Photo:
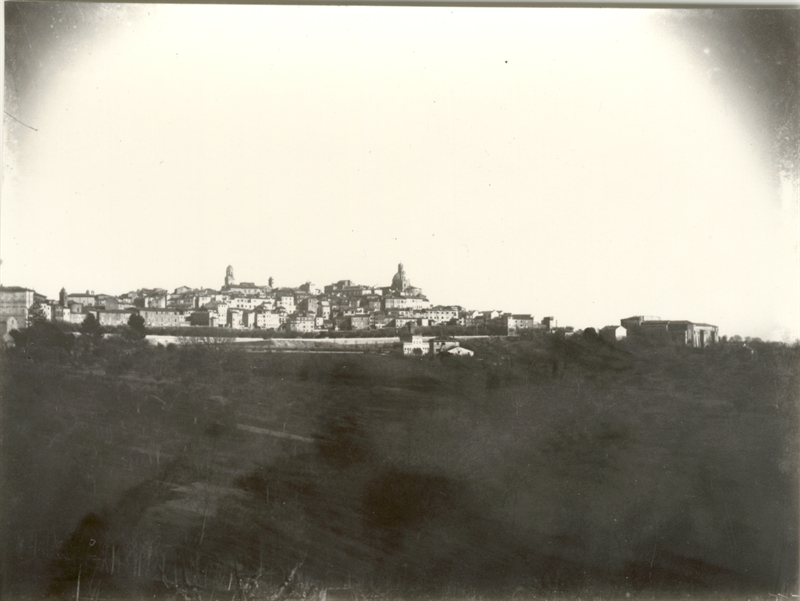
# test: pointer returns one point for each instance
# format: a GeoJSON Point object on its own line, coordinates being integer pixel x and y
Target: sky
{"type": "Point", "coordinates": [589, 164]}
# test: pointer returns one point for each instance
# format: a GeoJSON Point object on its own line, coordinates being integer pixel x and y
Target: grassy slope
{"type": "Point", "coordinates": [543, 465]}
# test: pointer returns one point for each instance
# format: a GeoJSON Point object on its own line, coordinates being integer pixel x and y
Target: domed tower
{"type": "Point", "coordinates": [400, 281]}
{"type": "Point", "coordinates": [62, 297]}
{"type": "Point", "coordinates": [229, 279]}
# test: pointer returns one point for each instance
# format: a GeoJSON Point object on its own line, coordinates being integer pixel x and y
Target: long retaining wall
{"type": "Point", "coordinates": [291, 343]}
{"type": "Point", "coordinates": [280, 343]}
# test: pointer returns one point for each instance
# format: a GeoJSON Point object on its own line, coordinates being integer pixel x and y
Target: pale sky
{"type": "Point", "coordinates": [589, 164]}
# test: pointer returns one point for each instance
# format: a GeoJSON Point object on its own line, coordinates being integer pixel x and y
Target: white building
{"type": "Point", "coordinates": [268, 320]}
{"type": "Point", "coordinates": [302, 323]}
{"type": "Point", "coordinates": [415, 346]}
{"type": "Point", "coordinates": [287, 301]}
{"type": "Point", "coordinates": [245, 302]}
{"type": "Point", "coordinates": [236, 318]}
{"type": "Point", "coordinates": [440, 314]}
{"type": "Point", "coordinates": [403, 302]}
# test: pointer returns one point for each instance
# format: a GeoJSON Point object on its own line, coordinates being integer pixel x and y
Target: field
{"type": "Point", "coordinates": [539, 468]}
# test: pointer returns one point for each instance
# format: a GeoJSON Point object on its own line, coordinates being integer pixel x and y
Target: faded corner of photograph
{"type": "Point", "coordinates": [566, 367]}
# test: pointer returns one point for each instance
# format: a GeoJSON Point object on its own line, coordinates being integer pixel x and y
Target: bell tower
{"type": "Point", "coordinates": [229, 279]}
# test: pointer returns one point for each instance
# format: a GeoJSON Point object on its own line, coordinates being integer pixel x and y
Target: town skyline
{"type": "Point", "coordinates": [269, 287]}
{"type": "Point", "coordinates": [586, 164]}
{"type": "Point", "coordinates": [400, 308]}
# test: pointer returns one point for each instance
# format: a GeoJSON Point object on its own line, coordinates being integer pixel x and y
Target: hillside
{"type": "Point", "coordinates": [538, 466]}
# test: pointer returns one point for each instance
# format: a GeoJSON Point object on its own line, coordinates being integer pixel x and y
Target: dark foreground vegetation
{"type": "Point", "coordinates": [539, 467]}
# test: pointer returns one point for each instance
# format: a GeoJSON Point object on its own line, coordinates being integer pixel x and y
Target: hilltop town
{"type": "Point", "coordinates": [360, 456]}
{"type": "Point", "coordinates": [340, 306]}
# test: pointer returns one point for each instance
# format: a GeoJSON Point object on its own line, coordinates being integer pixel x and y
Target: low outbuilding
{"type": "Point", "coordinates": [460, 351]}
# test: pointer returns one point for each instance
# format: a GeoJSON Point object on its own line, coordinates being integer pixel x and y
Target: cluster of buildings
{"type": "Point", "coordinates": [416, 344]}
{"type": "Point", "coordinates": [342, 305]}
{"type": "Point", "coordinates": [696, 335]}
